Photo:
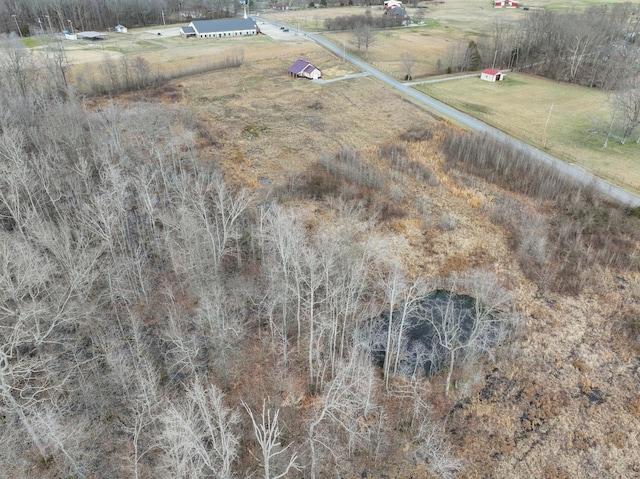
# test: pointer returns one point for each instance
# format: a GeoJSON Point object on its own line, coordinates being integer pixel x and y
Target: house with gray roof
{"type": "Point", "coordinates": [220, 28]}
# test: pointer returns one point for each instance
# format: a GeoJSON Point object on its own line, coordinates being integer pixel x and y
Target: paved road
{"type": "Point", "coordinates": [473, 124]}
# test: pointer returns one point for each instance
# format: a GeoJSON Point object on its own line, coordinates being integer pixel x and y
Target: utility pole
{"type": "Point", "coordinates": [544, 133]}
{"type": "Point", "coordinates": [17, 25]}
{"type": "Point", "coordinates": [49, 20]}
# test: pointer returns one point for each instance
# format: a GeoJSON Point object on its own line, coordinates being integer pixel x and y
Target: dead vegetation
{"type": "Point", "coordinates": [166, 322]}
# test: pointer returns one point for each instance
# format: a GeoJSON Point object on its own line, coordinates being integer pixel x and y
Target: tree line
{"type": "Point", "coordinates": [46, 16]}
{"type": "Point", "coordinates": [597, 48]}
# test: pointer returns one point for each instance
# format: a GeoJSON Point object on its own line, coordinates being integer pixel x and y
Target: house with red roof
{"type": "Point", "coordinates": [491, 75]}
{"type": "Point", "coordinates": [304, 69]}
{"type": "Point", "coordinates": [506, 3]}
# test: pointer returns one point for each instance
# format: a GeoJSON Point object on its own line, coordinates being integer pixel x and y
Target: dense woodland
{"type": "Point", "coordinates": [54, 16]}
{"type": "Point", "coordinates": [158, 321]}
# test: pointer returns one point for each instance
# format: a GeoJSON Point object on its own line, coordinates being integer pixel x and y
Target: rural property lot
{"type": "Point", "coordinates": [342, 177]}
{"type": "Point", "coordinates": [560, 119]}
{"type": "Point", "coordinates": [518, 107]}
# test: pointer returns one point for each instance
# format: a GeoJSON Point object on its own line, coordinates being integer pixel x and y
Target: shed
{"type": "Point", "coordinates": [221, 28]}
{"type": "Point", "coordinates": [492, 75]}
{"type": "Point", "coordinates": [121, 29]}
{"type": "Point", "coordinates": [304, 69]}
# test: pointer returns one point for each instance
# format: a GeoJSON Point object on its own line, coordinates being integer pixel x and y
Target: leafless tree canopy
{"type": "Point", "coordinates": [54, 16]}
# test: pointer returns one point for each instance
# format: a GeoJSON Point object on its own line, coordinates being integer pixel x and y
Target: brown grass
{"type": "Point", "coordinates": [562, 393]}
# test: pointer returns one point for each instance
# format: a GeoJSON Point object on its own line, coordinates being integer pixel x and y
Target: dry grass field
{"type": "Point", "coordinates": [565, 120]}
{"type": "Point", "coordinates": [561, 400]}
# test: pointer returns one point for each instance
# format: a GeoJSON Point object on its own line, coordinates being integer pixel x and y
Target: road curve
{"type": "Point", "coordinates": [474, 124]}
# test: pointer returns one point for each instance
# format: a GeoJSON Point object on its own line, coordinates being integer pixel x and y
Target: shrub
{"type": "Point", "coordinates": [397, 156]}
{"type": "Point", "coordinates": [417, 133]}
{"type": "Point", "coordinates": [582, 229]}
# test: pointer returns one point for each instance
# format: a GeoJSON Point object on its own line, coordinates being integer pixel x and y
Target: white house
{"type": "Point", "coordinates": [221, 28]}
{"type": "Point", "coordinates": [121, 29]}
{"type": "Point", "coordinates": [492, 75]}
{"type": "Point", "coordinates": [304, 69]}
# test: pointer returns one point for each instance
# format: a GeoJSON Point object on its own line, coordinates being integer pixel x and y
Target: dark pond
{"type": "Point", "coordinates": [420, 349]}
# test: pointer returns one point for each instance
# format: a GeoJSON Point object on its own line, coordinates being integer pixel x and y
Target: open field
{"type": "Point", "coordinates": [558, 118]}
{"type": "Point", "coordinates": [519, 106]}
{"type": "Point", "coordinates": [275, 128]}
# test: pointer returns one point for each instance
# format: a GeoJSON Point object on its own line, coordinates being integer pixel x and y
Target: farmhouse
{"type": "Point", "coordinates": [400, 14]}
{"type": "Point", "coordinates": [224, 27]}
{"type": "Point", "coordinates": [506, 3]}
{"type": "Point", "coordinates": [491, 75]}
{"type": "Point", "coordinates": [304, 69]}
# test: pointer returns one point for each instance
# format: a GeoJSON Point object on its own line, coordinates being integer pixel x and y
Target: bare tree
{"type": "Point", "coordinates": [17, 67]}
{"type": "Point", "coordinates": [346, 403]}
{"type": "Point", "coordinates": [364, 35]}
{"type": "Point", "coordinates": [268, 434]}
{"type": "Point", "coordinates": [403, 300]}
{"type": "Point", "coordinates": [429, 438]}
{"type": "Point", "coordinates": [408, 62]}
{"type": "Point", "coordinates": [626, 107]}
{"type": "Point", "coordinates": [198, 438]}
{"type": "Point", "coordinates": [463, 329]}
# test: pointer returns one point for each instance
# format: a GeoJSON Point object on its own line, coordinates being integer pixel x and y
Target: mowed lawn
{"type": "Point", "coordinates": [567, 121]}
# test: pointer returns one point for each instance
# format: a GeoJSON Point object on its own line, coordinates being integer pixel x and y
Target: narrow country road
{"type": "Point", "coordinates": [471, 123]}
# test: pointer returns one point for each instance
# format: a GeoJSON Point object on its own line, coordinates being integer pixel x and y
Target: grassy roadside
{"type": "Point", "coordinates": [567, 121]}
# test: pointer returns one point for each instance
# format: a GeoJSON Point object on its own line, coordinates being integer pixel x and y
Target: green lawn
{"type": "Point", "coordinates": [567, 121]}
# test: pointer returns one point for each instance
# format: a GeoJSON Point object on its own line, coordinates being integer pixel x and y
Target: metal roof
{"type": "Point", "coordinates": [299, 66]}
{"type": "Point", "coordinates": [91, 35]}
{"type": "Point", "coordinates": [223, 25]}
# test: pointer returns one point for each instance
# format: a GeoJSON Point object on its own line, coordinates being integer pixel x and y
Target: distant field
{"type": "Point", "coordinates": [558, 118]}
{"type": "Point", "coordinates": [519, 106]}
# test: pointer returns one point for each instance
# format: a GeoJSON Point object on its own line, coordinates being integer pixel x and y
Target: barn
{"type": "Point", "coordinates": [221, 28]}
{"type": "Point", "coordinates": [304, 69]}
{"type": "Point", "coordinates": [492, 75]}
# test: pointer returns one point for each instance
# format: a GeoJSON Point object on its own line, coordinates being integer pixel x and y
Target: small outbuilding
{"type": "Point", "coordinates": [492, 75]}
{"type": "Point", "coordinates": [304, 69]}
{"type": "Point", "coordinates": [121, 29]}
